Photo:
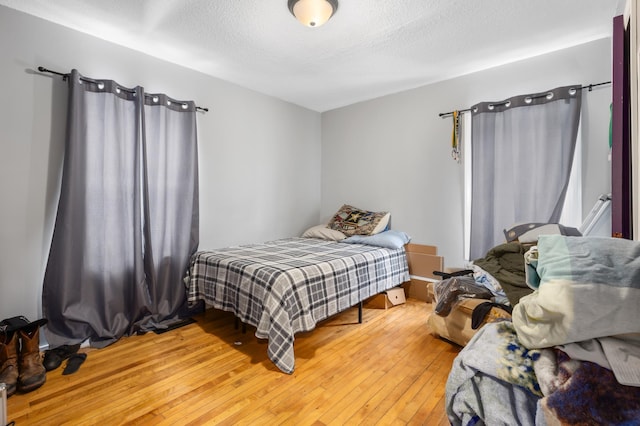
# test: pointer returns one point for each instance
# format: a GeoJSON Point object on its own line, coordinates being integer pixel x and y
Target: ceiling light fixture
{"type": "Point", "coordinates": [313, 13]}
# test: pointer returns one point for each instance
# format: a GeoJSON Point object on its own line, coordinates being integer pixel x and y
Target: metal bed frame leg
{"type": "Point", "coordinates": [236, 325]}
{"type": "Point", "coordinates": [360, 312]}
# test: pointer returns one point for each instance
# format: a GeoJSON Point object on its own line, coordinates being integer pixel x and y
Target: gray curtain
{"type": "Point", "coordinates": [522, 151]}
{"type": "Point", "coordinates": [127, 217]}
{"type": "Point", "coordinates": [171, 208]}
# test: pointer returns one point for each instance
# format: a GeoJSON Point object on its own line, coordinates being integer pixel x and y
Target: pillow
{"type": "Point", "coordinates": [353, 221]}
{"type": "Point", "coordinates": [323, 233]}
{"type": "Point", "coordinates": [386, 239]}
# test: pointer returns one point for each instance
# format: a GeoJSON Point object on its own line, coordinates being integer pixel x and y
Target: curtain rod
{"type": "Point", "coordinates": [64, 77]}
{"type": "Point", "coordinates": [590, 87]}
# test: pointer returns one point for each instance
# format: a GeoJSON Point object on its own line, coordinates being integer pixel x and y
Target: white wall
{"type": "Point", "coordinates": [394, 153]}
{"type": "Point", "coordinates": [259, 157]}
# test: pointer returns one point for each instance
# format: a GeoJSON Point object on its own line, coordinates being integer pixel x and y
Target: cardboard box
{"type": "Point", "coordinates": [417, 289]}
{"type": "Point", "coordinates": [388, 299]}
{"type": "Point", "coordinates": [423, 260]}
{"type": "Point", "coordinates": [421, 248]}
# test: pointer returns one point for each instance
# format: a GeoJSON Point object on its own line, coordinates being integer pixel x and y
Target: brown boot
{"type": "Point", "coordinates": [9, 360]}
{"type": "Point", "coordinates": [32, 372]}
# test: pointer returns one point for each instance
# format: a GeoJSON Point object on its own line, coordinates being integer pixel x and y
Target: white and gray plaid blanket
{"type": "Point", "coordinates": [287, 286]}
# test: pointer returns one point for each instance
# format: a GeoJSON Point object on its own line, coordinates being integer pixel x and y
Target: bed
{"type": "Point", "coordinates": [287, 286]}
{"type": "Point", "coordinates": [571, 353]}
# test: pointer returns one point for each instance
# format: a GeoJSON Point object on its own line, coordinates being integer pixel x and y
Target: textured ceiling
{"type": "Point", "coordinates": [369, 48]}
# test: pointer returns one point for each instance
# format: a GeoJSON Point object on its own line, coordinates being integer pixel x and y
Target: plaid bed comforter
{"type": "Point", "coordinates": [287, 286]}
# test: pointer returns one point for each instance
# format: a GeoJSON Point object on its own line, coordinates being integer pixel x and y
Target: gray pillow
{"type": "Point", "coordinates": [388, 239]}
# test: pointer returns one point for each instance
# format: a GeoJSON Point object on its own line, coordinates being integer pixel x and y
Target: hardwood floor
{"type": "Point", "coordinates": [387, 370]}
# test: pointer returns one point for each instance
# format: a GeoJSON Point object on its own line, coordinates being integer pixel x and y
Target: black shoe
{"type": "Point", "coordinates": [53, 358]}
{"type": "Point", "coordinates": [74, 363]}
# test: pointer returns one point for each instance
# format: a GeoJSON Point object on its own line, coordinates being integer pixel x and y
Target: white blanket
{"type": "Point", "coordinates": [589, 288]}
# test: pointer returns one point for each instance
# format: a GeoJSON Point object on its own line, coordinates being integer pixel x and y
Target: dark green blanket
{"type": "Point", "coordinates": [505, 263]}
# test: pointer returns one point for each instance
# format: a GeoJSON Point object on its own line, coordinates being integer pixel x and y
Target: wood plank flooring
{"type": "Point", "coordinates": [387, 370]}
